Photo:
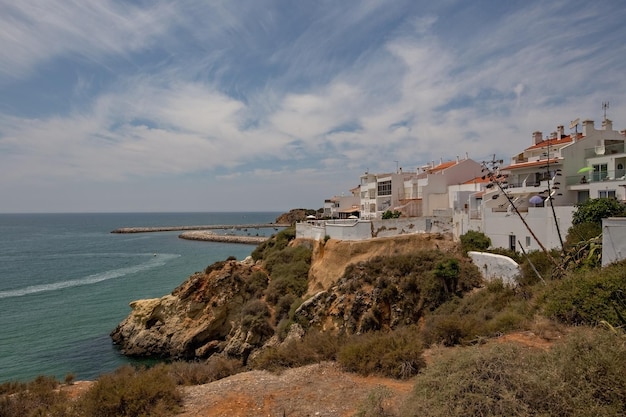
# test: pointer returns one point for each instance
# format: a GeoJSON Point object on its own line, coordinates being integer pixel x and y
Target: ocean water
{"type": "Point", "coordinates": [66, 282]}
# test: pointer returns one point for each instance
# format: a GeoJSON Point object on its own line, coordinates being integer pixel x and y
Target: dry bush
{"type": "Point", "coordinates": [396, 354]}
{"type": "Point", "coordinates": [129, 392]}
{"type": "Point", "coordinates": [314, 347]}
{"type": "Point", "coordinates": [582, 376]}
{"type": "Point", "coordinates": [374, 405]}
{"type": "Point", "coordinates": [40, 397]}
{"type": "Point", "coordinates": [198, 373]}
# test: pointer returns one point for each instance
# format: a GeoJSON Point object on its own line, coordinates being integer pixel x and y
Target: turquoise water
{"type": "Point", "coordinates": [66, 282]}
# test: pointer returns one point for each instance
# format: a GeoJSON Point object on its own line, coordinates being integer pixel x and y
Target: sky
{"type": "Point", "coordinates": [268, 105]}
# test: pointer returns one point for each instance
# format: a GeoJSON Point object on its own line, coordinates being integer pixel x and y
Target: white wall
{"type": "Point", "coordinates": [499, 226]}
{"type": "Point", "coordinates": [493, 266]}
{"type": "Point", "coordinates": [613, 240]}
{"type": "Point", "coordinates": [366, 229]}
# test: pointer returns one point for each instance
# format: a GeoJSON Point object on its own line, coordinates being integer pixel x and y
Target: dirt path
{"type": "Point", "coordinates": [313, 390]}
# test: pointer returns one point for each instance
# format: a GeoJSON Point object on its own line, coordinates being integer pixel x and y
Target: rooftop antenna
{"type": "Point", "coordinates": [605, 105]}
{"type": "Point", "coordinates": [574, 125]}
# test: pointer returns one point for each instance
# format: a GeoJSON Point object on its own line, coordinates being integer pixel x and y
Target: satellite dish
{"type": "Point", "coordinates": [574, 123]}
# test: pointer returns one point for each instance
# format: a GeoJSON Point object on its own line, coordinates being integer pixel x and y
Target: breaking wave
{"type": "Point", "coordinates": [156, 260]}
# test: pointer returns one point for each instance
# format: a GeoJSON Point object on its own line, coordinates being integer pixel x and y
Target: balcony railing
{"type": "Point", "coordinates": [597, 176]}
{"type": "Point", "coordinates": [604, 150]}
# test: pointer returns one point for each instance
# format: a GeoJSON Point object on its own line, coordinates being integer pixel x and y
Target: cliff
{"type": "Point", "coordinates": [227, 308]}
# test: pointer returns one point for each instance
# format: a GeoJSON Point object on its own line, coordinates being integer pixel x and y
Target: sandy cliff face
{"type": "Point", "coordinates": [223, 309]}
{"type": "Point", "coordinates": [330, 259]}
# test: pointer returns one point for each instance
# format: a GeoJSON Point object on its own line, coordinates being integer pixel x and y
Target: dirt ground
{"type": "Point", "coordinates": [314, 390]}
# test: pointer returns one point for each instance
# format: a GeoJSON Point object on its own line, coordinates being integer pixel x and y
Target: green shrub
{"type": "Point", "coordinates": [132, 393]}
{"type": "Point", "coordinates": [257, 283]}
{"type": "Point", "coordinates": [594, 210]}
{"type": "Point", "coordinates": [276, 243]}
{"type": "Point", "coordinates": [283, 306]}
{"type": "Point", "coordinates": [255, 316]}
{"type": "Point", "coordinates": [542, 263]}
{"type": "Point", "coordinates": [492, 310]}
{"type": "Point", "coordinates": [413, 283]}
{"type": "Point", "coordinates": [474, 241]}
{"type": "Point", "coordinates": [582, 232]}
{"type": "Point", "coordinates": [589, 297]}
{"type": "Point", "coordinates": [396, 354]}
{"type": "Point", "coordinates": [391, 214]}
{"type": "Point", "coordinates": [289, 270]}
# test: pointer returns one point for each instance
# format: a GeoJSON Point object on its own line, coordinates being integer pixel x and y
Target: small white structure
{"type": "Point", "coordinates": [613, 240]}
{"type": "Point", "coordinates": [493, 266]}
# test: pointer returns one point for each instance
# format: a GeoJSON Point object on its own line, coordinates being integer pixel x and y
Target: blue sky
{"type": "Point", "coordinates": [198, 105]}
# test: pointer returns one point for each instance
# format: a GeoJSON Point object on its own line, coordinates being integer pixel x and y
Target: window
{"type": "Point", "coordinates": [606, 194]}
{"type": "Point", "coordinates": [512, 242]}
{"type": "Point", "coordinates": [527, 241]}
{"type": "Point", "coordinates": [384, 188]}
{"type": "Point", "coordinates": [600, 172]}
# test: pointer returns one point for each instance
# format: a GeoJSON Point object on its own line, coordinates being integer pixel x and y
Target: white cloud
{"type": "Point", "coordinates": [252, 99]}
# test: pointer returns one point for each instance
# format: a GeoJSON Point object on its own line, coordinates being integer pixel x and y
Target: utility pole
{"type": "Point", "coordinates": [490, 168]}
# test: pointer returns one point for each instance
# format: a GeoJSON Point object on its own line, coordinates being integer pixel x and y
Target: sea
{"type": "Point", "coordinates": [66, 282]}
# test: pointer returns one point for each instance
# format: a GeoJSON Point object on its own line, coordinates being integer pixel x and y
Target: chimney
{"type": "Point", "coordinates": [607, 124]}
{"type": "Point", "coordinates": [457, 159]}
{"type": "Point", "coordinates": [537, 137]}
{"type": "Point", "coordinates": [561, 131]}
{"type": "Point", "coordinates": [441, 160]}
{"type": "Point", "coordinates": [588, 127]}
{"type": "Point", "coordinates": [553, 135]}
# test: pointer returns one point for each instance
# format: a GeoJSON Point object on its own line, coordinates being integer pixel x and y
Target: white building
{"type": "Point", "coordinates": [342, 207]}
{"type": "Point", "coordinates": [425, 192]}
{"type": "Point", "coordinates": [547, 179]}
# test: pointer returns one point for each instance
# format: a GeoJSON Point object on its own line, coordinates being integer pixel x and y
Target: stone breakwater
{"type": "Point", "coordinates": [212, 237]}
{"type": "Point", "coordinates": [204, 227]}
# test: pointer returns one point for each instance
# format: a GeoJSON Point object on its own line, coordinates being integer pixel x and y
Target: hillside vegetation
{"type": "Point", "coordinates": [377, 317]}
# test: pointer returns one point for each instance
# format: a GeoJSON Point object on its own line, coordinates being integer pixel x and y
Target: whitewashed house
{"type": "Point", "coordinates": [547, 179]}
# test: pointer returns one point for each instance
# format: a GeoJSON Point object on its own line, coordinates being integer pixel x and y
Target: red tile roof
{"type": "Point", "coordinates": [477, 180]}
{"type": "Point", "coordinates": [441, 167]}
{"type": "Point", "coordinates": [554, 161]}
{"type": "Point", "coordinates": [554, 142]}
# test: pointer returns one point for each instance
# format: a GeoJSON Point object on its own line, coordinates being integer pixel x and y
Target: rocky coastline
{"type": "Point", "coordinates": [222, 310]}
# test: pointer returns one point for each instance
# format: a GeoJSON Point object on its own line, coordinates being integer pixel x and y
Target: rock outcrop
{"type": "Point", "coordinates": [293, 216]}
{"type": "Point", "coordinates": [352, 287]}
{"type": "Point", "coordinates": [199, 318]}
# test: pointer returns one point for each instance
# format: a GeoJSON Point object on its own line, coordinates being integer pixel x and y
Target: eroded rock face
{"type": "Point", "coordinates": [353, 288]}
{"type": "Point", "coordinates": [196, 319]}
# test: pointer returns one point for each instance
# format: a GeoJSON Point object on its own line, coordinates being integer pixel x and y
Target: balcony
{"type": "Point", "coordinates": [597, 176]}
{"type": "Point", "coordinates": [604, 150]}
